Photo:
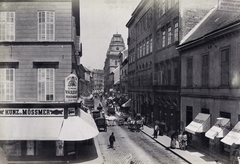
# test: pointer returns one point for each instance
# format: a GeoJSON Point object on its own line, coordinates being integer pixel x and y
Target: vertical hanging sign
{"type": "Point", "coordinates": [71, 88]}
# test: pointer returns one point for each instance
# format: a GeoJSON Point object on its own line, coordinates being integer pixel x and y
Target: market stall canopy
{"type": "Point", "coordinates": [30, 128]}
{"type": "Point", "coordinates": [78, 128]}
{"type": "Point", "coordinates": [219, 130]}
{"type": "Point", "coordinates": [127, 104]}
{"type": "Point", "coordinates": [233, 136]}
{"type": "Point", "coordinates": [200, 124]}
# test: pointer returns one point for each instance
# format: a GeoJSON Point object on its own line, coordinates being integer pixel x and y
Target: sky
{"type": "Point", "coordinates": [99, 20]}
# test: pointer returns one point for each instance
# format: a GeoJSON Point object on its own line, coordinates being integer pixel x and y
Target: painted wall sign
{"type": "Point", "coordinates": [71, 88]}
{"type": "Point", "coordinates": [31, 112]}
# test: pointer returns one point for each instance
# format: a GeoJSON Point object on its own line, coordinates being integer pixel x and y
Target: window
{"type": "Point", "coordinates": [144, 49]}
{"type": "Point", "coordinates": [169, 35]}
{"type": "Point", "coordinates": [140, 49]}
{"type": "Point", "coordinates": [163, 38]}
{"type": "Point", "coordinates": [225, 67]}
{"type": "Point", "coordinates": [46, 26]}
{"type": "Point", "coordinates": [46, 79]}
{"type": "Point", "coordinates": [169, 4]}
{"type": "Point", "coordinates": [150, 44]}
{"type": "Point", "coordinates": [7, 86]}
{"type": "Point", "coordinates": [163, 7]}
{"type": "Point", "coordinates": [176, 31]}
{"type": "Point", "coordinates": [147, 48]}
{"type": "Point", "coordinates": [7, 26]}
{"type": "Point", "coordinates": [205, 70]}
{"type": "Point", "coordinates": [169, 77]}
{"type": "Point", "coordinates": [189, 72]}
{"type": "Point", "coordinates": [116, 62]}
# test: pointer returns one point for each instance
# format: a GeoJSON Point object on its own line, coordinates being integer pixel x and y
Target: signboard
{"type": "Point", "coordinates": [31, 112]}
{"type": "Point", "coordinates": [71, 88]}
{"type": "Point", "coordinates": [59, 148]}
{"type": "Point", "coordinates": [226, 5]}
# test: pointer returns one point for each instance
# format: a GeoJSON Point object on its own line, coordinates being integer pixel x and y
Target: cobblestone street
{"type": "Point", "coordinates": [133, 147]}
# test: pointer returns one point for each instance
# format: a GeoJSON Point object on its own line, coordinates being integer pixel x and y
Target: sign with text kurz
{"type": "Point", "coordinates": [31, 112]}
{"type": "Point", "coordinates": [71, 88]}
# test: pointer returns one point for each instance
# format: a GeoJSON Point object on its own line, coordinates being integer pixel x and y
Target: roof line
{"type": "Point", "coordinates": [196, 27]}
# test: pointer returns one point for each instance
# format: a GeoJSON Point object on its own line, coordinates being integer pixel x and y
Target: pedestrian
{"type": "Point", "coordinates": [184, 140]}
{"type": "Point", "coordinates": [112, 140]}
{"type": "Point", "coordinates": [236, 155]}
{"type": "Point", "coordinates": [180, 136]}
{"type": "Point", "coordinates": [173, 140]}
{"type": "Point", "coordinates": [155, 132]}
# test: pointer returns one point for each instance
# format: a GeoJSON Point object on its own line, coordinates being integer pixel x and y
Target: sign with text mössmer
{"type": "Point", "coordinates": [71, 88]}
{"type": "Point", "coordinates": [31, 112]}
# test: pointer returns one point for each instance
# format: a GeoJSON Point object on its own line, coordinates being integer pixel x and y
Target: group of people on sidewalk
{"type": "Point", "coordinates": [180, 138]}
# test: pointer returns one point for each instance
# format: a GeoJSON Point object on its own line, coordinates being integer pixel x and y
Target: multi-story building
{"type": "Point", "coordinates": [112, 61]}
{"type": "Point", "coordinates": [39, 45]}
{"type": "Point", "coordinates": [98, 80]}
{"type": "Point", "coordinates": [140, 57]}
{"type": "Point", "coordinates": [155, 29]}
{"type": "Point", "coordinates": [210, 82]}
{"type": "Point", "coordinates": [123, 57]}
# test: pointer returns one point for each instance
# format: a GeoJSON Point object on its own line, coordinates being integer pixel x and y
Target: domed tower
{"type": "Point", "coordinates": [112, 59]}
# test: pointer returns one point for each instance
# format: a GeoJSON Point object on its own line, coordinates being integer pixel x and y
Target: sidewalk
{"type": "Point", "coordinates": [191, 155]}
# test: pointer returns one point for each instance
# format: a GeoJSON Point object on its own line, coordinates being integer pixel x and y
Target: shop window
{"type": "Point", "coordinates": [225, 115]}
{"type": "Point", "coordinates": [46, 26]}
{"type": "Point", "coordinates": [7, 26]}
{"type": "Point", "coordinates": [205, 110]}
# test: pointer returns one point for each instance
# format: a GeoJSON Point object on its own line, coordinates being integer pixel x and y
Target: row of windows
{"type": "Point", "coordinates": [46, 84]}
{"type": "Point", "coordinates": [224, 64]}
{"type": "Point", "coordinates": [144, 66]}
{"type": "Point", "coordinates": [167, 35]}
{"type": "Point", "coordinates": [164, 5]}
{"type": "Point", "coordinates": [46, 26]}
{"type": "Point", "coordinates": [131, 57]}
{"type": "Point", "coordinates": [141, 80]}
{"type": "Point", "coordinates": [145, 47]}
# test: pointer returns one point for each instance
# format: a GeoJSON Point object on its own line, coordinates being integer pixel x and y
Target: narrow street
{"type": "Point", "coordinates": [133, 147]}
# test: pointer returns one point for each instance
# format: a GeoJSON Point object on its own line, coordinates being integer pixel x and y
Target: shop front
{"type": "Point", "coordinates": [216, 133]}
{"type": "Point", "coordinates": [198, 127]}
{"type": "Point", "coordinates": [50, 131]}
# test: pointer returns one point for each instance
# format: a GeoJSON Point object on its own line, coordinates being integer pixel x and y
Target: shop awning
{"type": "Point", "coordinates": [233, 136]}
{"type": "Point", "coordinates": [127, 104]}
{"type": "Point", "coordinates": [78, 128]}
{"type": "Point", "coordinates": [200, 124]}
{"type": "Point", "coordinates": [219, 130]}
{"type": "Point", "coordinates": [48, 128]}
{"type": "Point", "coordinates": [30, 128]}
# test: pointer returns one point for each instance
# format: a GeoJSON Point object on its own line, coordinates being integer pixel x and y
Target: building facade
{"type": "Point", "coordinates": [140, 58]}
{"type": "Point", "coordinates": [157, 27]}
{"type": "Point", "coordinates": [209, 82]}
{"type": "Point", "coordinates": [39, 79]}
{"type": "Point", "coordinates": [112, 61]}
{"type": "Point", "coordinates": [123, 57]}
{"type": "Point", "coordinates": [98, 80]}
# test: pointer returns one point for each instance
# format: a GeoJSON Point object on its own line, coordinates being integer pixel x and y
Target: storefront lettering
{"type": "Point", "coordinates": [31, 112]}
